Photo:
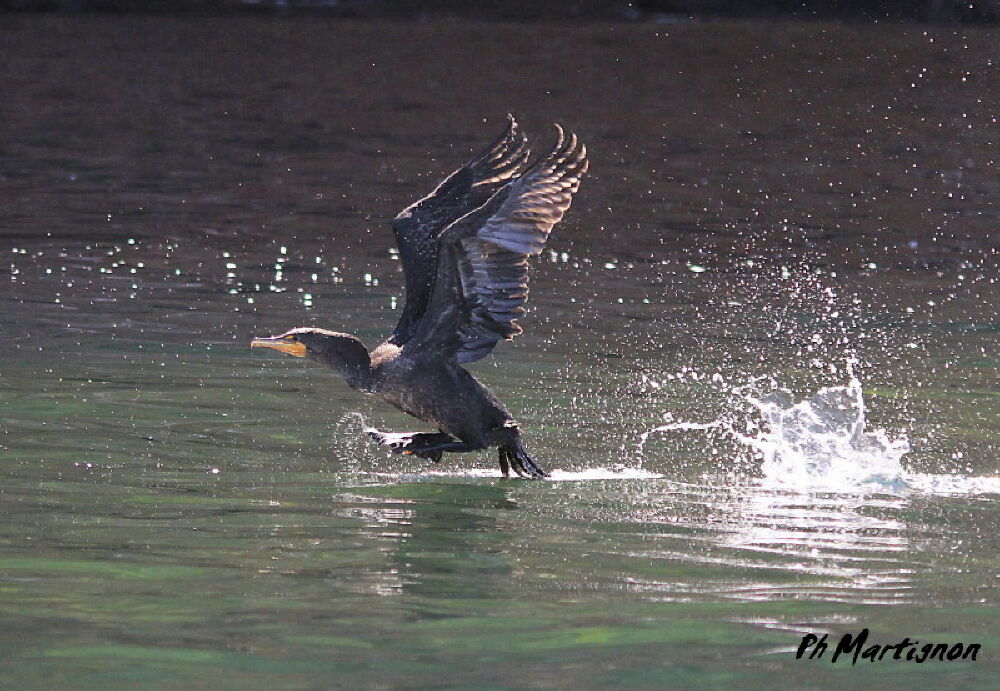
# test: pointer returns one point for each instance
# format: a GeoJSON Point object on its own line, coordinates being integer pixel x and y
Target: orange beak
{"type": "Point", "coordinates": [283, 343]}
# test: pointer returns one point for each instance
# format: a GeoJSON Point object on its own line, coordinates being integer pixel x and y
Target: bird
{"type": "Point", "coordinates": [465, 251]}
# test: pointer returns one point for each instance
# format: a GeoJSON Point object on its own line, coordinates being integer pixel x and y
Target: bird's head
{"type": "Point", "coordinates": [343, 352]}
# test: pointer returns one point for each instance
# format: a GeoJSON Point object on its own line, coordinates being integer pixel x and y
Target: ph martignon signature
{"type": "Point", "coordinates": [906, 650]}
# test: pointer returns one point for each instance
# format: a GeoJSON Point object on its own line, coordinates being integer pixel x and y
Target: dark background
{"type": "Point", "coordinates": [662, 10]}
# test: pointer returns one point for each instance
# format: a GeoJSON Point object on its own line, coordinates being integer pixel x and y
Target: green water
{"type": "Point", "coordinates": [180, 512]}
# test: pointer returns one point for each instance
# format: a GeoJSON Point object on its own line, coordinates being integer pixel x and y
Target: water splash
{"type": "Point", "coordinates": [356, 451]}
{"type": "Point", "coordinates": [822, 444]}
{"type": "Point", "coordinates": [614, 472]}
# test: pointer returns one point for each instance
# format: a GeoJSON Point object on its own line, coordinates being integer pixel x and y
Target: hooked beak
{"type": "Point", "coordinates": [283, 343]}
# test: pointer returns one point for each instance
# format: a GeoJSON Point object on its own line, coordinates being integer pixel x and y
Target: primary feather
{"type": "Point", "coordinates": [418, 226]}
{"type": "Point", "coordinates": [481, 283]}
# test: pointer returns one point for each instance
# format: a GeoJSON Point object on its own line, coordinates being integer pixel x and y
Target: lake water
{"type": "Point", "coordinates": [762, 357]}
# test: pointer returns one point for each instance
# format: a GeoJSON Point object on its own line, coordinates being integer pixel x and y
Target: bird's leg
{"type": "Point", "coordinates": [507, 438]}
{"type": "Point", "coordinates": [451, 447]}
{"type": "Point", "coordinates": [504, 462]}
{"type": "Point", "coordinates": [433, 452]}
{"type": "Point", "coordinates": [522, 463]}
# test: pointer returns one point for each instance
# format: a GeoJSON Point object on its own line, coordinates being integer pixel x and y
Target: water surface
{"type": "Point", "coordinates": [771, 207]}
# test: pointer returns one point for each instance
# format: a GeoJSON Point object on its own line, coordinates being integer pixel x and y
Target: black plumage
{"type": "Point", "coordinates": [464, 250]}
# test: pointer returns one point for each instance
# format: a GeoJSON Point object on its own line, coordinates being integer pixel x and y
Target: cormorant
{"type": "Point", "coordinates": [465, 250]}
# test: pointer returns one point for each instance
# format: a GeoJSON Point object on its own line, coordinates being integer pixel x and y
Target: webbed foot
{"type": "Point", "coordinates": [421, 444]}
{"type": "Point", "coordinates": [523, 464]}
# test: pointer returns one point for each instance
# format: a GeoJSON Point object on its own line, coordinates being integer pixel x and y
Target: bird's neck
{"type": "Point", "coordinates": [351, 359]}
{"type": "Point", "coordinates": [359, 377]}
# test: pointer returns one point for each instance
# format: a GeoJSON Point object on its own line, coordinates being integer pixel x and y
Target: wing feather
{"type": "Point", "coordinates": [482, 281]}
{"type": "Point", "coordinates": [418, 226]}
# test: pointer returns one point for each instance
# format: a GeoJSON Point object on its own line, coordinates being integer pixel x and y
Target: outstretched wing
{"type": "Point", "coordinates": [482, 280]}
{"type": "Point", "coordinates": [418, 226]}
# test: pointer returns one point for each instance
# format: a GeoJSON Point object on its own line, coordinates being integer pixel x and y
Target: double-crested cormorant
{"type": "Point", "coordinates": [464, 250]}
